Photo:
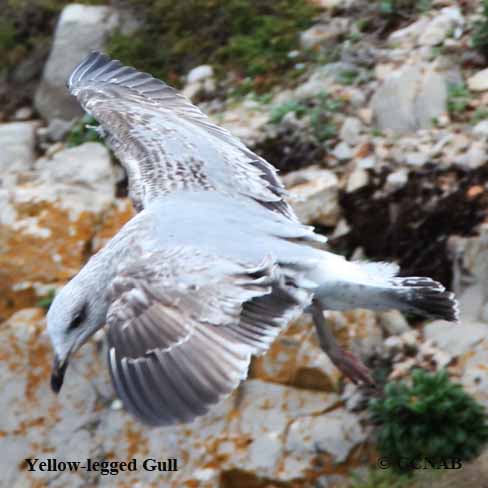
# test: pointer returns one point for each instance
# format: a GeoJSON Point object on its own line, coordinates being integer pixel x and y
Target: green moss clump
{"type": "Point", "coordinates": [480, 32]}
{"type": "Point", "coordinates": [319, 109]}
{"type": "Point", "coordinates": [249, 37]}
{"type": "Point", "coordinates": [85, 130]}
{"type": "Point", "coordinates": [45, 302]}
{"type": "Point", "coordinates": [433, 419]}
{"type": "Point", "coordinates": [458, 99]}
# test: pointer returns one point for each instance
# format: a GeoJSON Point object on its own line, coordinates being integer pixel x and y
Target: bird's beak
{"type": "Point", "coordinates": [57, 375]}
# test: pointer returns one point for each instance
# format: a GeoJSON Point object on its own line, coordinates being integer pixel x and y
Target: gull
{"type": "Point", "coordinates": [214, 264]}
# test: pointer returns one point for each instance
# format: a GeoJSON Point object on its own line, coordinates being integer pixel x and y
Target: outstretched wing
{"type": "Point", "coordinates": [182, 328]}
{"type": "Point", "coordinates": [165, 142]}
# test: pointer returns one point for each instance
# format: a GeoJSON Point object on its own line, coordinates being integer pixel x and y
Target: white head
{"type": "Point", "coordinates": [76, 313]}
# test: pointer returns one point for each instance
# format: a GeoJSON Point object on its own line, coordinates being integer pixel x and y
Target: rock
{"type": "Point", "coordinates": [475, 157]}
{"type": "Point", "coordinates": [321, 34]}
{"type": "Point", "coordinates": [342, 151]}
{"type": "Point", "coordinates": [441, 26]}
{"type": "Point", "coordinates": [249, 431]}
{"type": "Point", "coordinates": [335, 433]}
{"type": "Point", "coordinates": [333, 4]}
{"type": "Point", "coordinates": [479, 81]}
{"type": "Point", "coordinates": [410, 98]}
{"type": "Point", "coordinates": [470, 270]}
{"type": "Point", "coordinates": [199, 80]}
{"type": "Point", "coordinates": [295, 358]}
{"type": "Point", "coordinates": [35, 422]}
{"type": "Point", "coordinates": [416, 158]}
{"type": "Point", "coordinates": [350, 131]}
{"type": "Point", "coordinates": [80, 29]}
{"type": "Point", "coordinates": [475, 374]}
{"type": "Point", "coordinates": [357, 179]}
{"type": "Point", "coordinates": [455, 339]}
{"type": "Point", "coordinates": [200, 73]}
{"type": "Point", "coordinates": [314, 195]}
{"type": "Point", "coordinates": [247, 121]}
{"type": "Point", "coordinates": [88, 166]}
{"type": "Point", "coordinates": [23, 113]}
{"type": "Point", "coordinates": [58, 129]}
{"type": "Point", "coordinates": [481, 128]}
{"type": "Point", "coordinates": [408, 36]}
{"type": "Point", "coordinates": [393, 322]}
{"type": "Point", "coordinates": [17, 140]}
{"type": "Point", "coordinates": [397, 179]}
{"type": "Point", "coordinates": [47, 224]}
{"type": "Point", "coordinates": [322, 79]}
{"type": "Point", "coordinates": [354, 96]}
{"type": "Point", "coordinates": [366, 115]}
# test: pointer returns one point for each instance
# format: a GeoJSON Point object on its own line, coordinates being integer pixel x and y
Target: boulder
{"type": "Point", "coordinates": [323, 78]}
{"type": "Point", "coordinates": [479, 81]}
{"type": "Point", "coordinates": [80, 29]}
{"type": "Point", "coordinates": [410, 98]}
{"type": "Point", "coordinates": [47, 223]}
{"type": "Point", "coordinates": [444, 22]}
{"type": "Point", "coordinates": [262, 431]}
{"type": "Point", "coordinates": [17, 154]}
{"type": "Point", "coordinates": [321, 34]}
{"type": "Point", "coordinates": [314, 195]}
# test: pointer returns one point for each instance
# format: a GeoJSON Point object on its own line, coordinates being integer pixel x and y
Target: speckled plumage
{"type": "Point", "coordinates": [165, 142]}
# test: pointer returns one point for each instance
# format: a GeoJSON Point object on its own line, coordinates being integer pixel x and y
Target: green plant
{"type": "Point", "coordinates": [479, 115]}
{"type": "Point", "coordinates": [249, 37]}
{"type": "Point", "coordinates": [45, 302]}
{"type": "Point", "coordinates": [431, 418]}
{"type": "Point", "coordinates": [279, 112]}
{"type": "Point", "coordinates": [347, 76]}
{"type": "Point", "coordinates": [85, 130]}
{"type": "Point", "coordinates": [458, 98]}
{"type": "Point", "coordinates": [377, 478]}
{"type": "Point", "coordinates": [480, 32]}
{"type": "Point", "coordinates": [319, 110]}
{"type": "Point", "coordinates": [399, 7]}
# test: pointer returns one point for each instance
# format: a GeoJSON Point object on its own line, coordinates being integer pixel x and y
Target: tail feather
{"type": "Point", "coordinates": [345, 285]}
{"type": "Point", "coordinates": [425, 297]}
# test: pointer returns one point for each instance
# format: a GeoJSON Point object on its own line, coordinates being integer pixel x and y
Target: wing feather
{"type": "Point", "coordinates": [165, 142]}
{"type": "Point", "coordinates": [182, 329]}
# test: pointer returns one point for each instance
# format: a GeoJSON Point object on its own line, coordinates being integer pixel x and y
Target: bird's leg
{"type": "Point", "coordinates": [350, 365]}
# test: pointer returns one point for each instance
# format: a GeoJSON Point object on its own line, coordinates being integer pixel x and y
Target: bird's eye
{"type": "Point", "coordinates": [78, 318]}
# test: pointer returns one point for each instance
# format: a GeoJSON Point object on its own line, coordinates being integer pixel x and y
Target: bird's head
{"type": "Point", "coordinates": [74, 315]}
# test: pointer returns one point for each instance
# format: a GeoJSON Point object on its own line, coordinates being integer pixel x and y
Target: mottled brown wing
{"type": "Point", "coordinates": [165, 142]}
{"type": "Point", "coordinates": [182, 328]}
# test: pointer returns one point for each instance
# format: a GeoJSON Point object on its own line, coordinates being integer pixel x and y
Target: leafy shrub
{"type": "Point", "coordinates": [83, 131]}
{"type": "Point", "coordinates": [377, 478]}
{"type": "Point", "coordinates": [250, 37]}
{"type": "Point", "coordinates": [480, 32]}
{"type": "Point", "coordinates": [458, 98]}
{"type": "Point", "coordinates": [479, 114]}
{"type": "Point", "coordinates": [399, 7]}
{"type": "Point", "coordinates": [45, 302]}
{"type": "Point", "coordinates": [319, 110]}
{"type": "Point", "coordinates": [433, 418]}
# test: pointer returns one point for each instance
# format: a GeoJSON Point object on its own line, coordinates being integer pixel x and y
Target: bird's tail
{"type": "Point", "coordinates": [375, 286]}
{"type": "Point", "coordinates": [424, 296]}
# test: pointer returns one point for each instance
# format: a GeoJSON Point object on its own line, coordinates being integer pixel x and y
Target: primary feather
{"type": "Point", "coordinates": [165, 142]}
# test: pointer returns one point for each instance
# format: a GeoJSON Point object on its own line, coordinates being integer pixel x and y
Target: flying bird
{"type": "Point", "coordinates": [213, 265]}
